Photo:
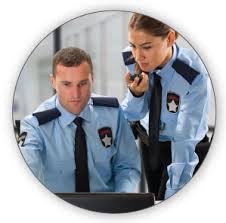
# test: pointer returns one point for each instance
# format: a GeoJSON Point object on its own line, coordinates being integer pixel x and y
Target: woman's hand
{"type": "Point", "coordinates": [137, 87]}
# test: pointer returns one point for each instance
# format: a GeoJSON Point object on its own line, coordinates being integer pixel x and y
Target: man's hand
{"type": "Point", "coordinates": [137, 87]}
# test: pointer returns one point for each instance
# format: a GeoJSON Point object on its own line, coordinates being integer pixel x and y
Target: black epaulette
{"type": "Point", "coordinates": [47, 116]}
{"type": "Point", "coordinates": [187, 72]}
{"type": "Point", "coordinates": [105, 101]}
{"type": "Point", "coordinates": [128, 58]}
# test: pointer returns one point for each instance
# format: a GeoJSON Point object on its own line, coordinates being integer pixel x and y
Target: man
{"type": "Point", "coordinates": [52, 136]}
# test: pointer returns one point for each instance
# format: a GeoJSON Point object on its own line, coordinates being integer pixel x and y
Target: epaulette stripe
{"type": "Point", "coordinates": [128, 58]}
{"type": "Point", "coordinates": [105, 101]}
{"type": "Point", "coordinates": [187, 72]}
{"type": "Point", "coordinates": [47, 116]}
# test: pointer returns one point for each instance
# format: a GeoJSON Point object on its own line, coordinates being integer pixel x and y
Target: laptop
{"type": "Point", "coordinates": [110, 202]}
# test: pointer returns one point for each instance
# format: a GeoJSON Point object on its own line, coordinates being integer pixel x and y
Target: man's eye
{"type": "Point", "coordinates": [83, 83]}
{"type": "Point", "coordinates": [66, 84]}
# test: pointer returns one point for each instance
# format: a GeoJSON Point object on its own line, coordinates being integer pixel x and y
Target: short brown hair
{"type": "Point", "coordinates": [70, 57]}
{"type": "Point", "coordinates": [149, 25]}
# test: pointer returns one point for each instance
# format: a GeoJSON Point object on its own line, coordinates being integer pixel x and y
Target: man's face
{"type": "Point", "coordinates": [73, 86]}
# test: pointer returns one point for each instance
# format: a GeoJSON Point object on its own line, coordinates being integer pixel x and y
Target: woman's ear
{"type": "Point", "coordinates": [171, 37]}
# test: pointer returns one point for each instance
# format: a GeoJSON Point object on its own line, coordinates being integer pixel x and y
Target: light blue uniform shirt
{"type": "Point", "coordinates": [48, 149]}
{"type": "Point", "coordinates": [184, 123]}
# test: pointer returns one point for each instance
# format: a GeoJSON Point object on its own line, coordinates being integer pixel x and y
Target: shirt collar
{"type": "Point", "coordinates": [166, 72]}
{"type": "Point", "coordinates": [67, 117]}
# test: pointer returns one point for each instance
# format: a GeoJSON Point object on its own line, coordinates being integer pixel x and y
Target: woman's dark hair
{"type": "Point", "coordinates": [149, 25]}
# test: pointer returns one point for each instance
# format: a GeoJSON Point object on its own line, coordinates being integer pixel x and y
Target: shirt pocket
{"type": "Point", "coordinates": [103, 159]}
{"type": "Point", "coordinates": [168, 122]}
{"type": "Point", "coordinates": [58, 169]}
{"type": "Point", "coordinates": [103, 154]}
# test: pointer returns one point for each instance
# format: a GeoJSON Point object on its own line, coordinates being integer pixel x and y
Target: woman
{"type": "Point", "coordinates": [172, 83]}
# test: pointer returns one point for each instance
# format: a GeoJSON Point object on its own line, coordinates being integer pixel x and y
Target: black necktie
{"type": "Point", "coordinates": [81, 173]}
{"type": "Point", "coordinates": [154, 121]}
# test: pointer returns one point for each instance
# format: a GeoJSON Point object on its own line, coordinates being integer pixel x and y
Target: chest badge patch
{"type": "Point", "coordinates": [173, 101]}
{"type": "Point", "coordinates": [105, 135]}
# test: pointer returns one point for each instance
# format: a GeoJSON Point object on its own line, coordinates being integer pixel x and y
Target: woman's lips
{"type": "Point", "coordinates": [143, 64]}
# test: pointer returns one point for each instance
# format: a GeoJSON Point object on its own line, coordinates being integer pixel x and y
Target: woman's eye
{"type": "Point", "coordinates": [147, 47]}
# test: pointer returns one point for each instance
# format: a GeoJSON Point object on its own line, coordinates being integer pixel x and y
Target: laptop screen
{"type": "Point", "coordinates": [109, 202]}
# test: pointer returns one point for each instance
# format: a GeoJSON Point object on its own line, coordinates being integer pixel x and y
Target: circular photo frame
{"type": "Point", "coordinates": [114, 111]}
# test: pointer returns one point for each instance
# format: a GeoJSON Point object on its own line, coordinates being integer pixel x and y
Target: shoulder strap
{"type": "Point", "coordinates": [187, 72]}
{"type": "Point", "coordinates": [47, 116]}
{"type": "Point", "coordinates": [105, 101]}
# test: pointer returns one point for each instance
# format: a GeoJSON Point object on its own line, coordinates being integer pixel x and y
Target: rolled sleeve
{"type": "Point", "coordinates": [191, 128]}
{"type": "Point", "coordinates": [180, 171]}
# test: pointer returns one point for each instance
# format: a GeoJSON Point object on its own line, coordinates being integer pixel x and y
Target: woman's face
{"type": "Point", "coordinates": [150, 51]}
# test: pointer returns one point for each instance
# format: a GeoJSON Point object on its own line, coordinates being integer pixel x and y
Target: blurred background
{"type": "Point", "coordinates": [103, 35]}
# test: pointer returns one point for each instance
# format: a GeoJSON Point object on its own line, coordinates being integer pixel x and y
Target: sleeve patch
{"type": "Point", "coordinates": [21, 138]}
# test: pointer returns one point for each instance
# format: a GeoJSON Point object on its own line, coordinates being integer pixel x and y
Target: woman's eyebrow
{"type": "Point", "coordinates": [145, 43]}
{"type": "Point", "coordinates": [142, 44]}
